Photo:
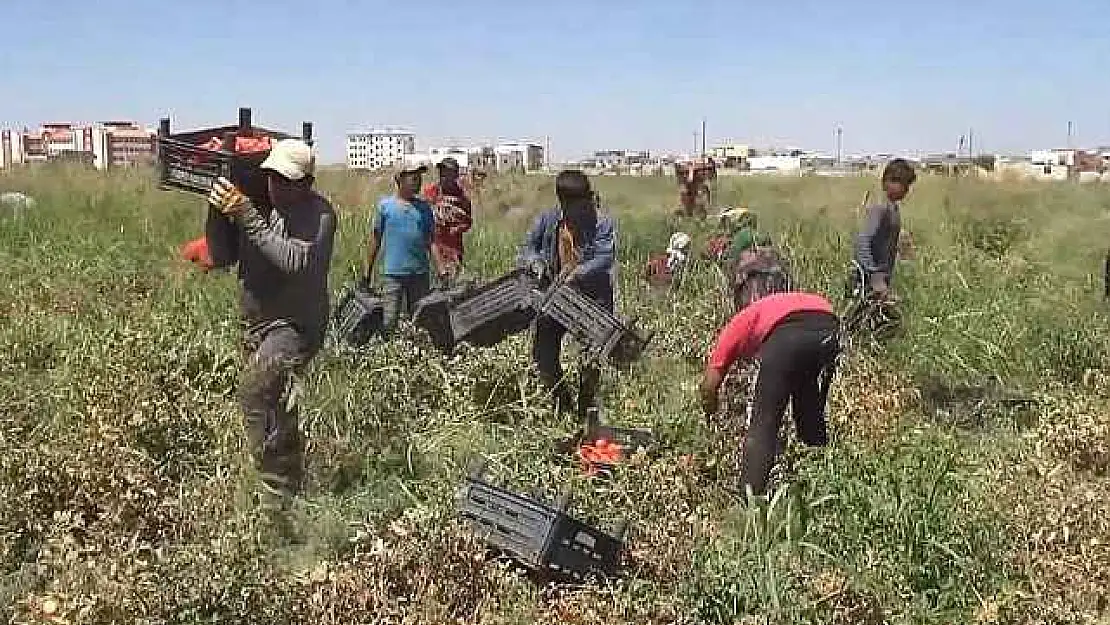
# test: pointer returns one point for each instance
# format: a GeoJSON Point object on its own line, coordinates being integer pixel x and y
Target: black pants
{"type": "Point", "coordinates": [796, 364]}
{"type": "Point", "coordinates": [547, 346]}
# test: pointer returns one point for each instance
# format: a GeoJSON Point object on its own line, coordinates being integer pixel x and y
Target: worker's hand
{"type": "Point", "coordinates": [709, 402]}
{"type": "Point", "coordinates": [227, 197]}
{"type": "Point", "coordinates": [710, 384]}
{"type": "Point", "coordinates": [537, 268]}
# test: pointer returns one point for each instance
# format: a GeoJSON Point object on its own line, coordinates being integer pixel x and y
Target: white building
{"type": "Point", "coordinates": [379, 148]}
{"type": "Point", "coordinates": [520, 157]}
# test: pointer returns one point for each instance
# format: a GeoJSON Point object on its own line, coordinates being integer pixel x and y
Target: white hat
{"type": "Point", "coordinates": [292, 158]}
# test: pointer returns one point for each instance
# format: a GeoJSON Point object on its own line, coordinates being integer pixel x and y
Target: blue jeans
{"type": "Point", "coordinates": [402, 292]}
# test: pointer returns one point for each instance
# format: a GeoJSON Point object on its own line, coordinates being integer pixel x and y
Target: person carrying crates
{"type": "Point", "coordinates": [570, 244]}
{"type": "Point", "coordinates": [283, 260]}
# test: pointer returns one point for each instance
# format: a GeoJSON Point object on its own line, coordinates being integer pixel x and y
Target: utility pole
{"type": "Point", "coordinates": [1069, 135]}
{"type": "Point", "coordinates": [547, 152]}
{"type": "Point", "coordinates": [839, 139]}
{"type": "Point", "coordinates": [703, 136]}
{"type": "Point", "coordinates": [970, 143]}
{"type": "Point", "coordinates": [695, 143]}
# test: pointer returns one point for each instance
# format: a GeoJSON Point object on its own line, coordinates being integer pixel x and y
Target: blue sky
{"type": "Point", "coordinates": [606, 74]}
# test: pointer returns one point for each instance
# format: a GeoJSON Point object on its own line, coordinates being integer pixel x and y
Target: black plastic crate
{"type": "Point", "coordinates": [630, 438]}
{"type": "Point", "coordinates": [481, 315]}
{"type": "Point", "coordinates": [433, 315]}
{"type": "Point", "coordinates": [185, 165]}
{"type": "Point", "coordinates": [538, 534]}
{"type": "Point", "coordinates": [602, 334]}
{"type": "Point", "coordinates": [359, 315]}
{"type": "Point", "coordinates": [496, 310]}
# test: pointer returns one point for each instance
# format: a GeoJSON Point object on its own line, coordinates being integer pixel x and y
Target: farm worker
{"type": "Point", "coordinates": [741, 224]}
{"type": "Point", "coordinates": [877, 243]}
{"type": "Point", "coordinates": [796, 336]}
{"type": "Point", "coordinates": [404, 224]}
{"type": "Point", "coordinates": [572, 244]}
{"type": "Point", "coordinates": [663, 268]}
{"type": "Point", "coordinates": [283, 260]}
{"type": "Point", "coordinates": [196, 252]}
{"type": "Point", "coordinates": [452, 210]}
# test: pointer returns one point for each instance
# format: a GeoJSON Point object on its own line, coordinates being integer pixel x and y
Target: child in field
{"type": "Point", "coordinates": [877, 244]}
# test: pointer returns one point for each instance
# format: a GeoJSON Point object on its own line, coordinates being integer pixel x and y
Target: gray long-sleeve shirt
{"type": "Point", "coordinates": [283, 261]}
{"type": "Point", "coordinates": [877, 243]}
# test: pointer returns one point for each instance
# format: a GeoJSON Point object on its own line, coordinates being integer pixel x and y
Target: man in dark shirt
{"type": "Point", "coordinates": [877, 243]}
{"type": "Point", "coordinates": [283, 260]}
{"type": "Point", "coordinates": [574, 244]}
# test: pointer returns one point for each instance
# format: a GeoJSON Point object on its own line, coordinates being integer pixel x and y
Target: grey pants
{"type": "Point", "coordinates": [401, 293]}
{"type": "Point", "coordinates": [275, 352]}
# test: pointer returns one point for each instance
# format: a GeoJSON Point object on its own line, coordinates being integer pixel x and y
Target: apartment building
{"type": "Point", "coordinates": [104, 145]}
{"type": "Point", "coordinates": [519, 157]}
{"type": "Point", "coordinates": [380, 148]}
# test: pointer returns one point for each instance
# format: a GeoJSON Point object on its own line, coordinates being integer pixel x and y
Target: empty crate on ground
{"type": "Point", "coordinates": [359, 315]}
{"type": "Point", "coordinates": [537, 534]}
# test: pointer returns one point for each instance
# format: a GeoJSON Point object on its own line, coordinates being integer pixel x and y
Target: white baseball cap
{"type": "Point", "coordinates": [292, 158]}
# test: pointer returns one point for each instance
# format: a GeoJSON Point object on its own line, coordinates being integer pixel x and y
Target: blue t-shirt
{"type": "Point", "coordinates": [404, 229]}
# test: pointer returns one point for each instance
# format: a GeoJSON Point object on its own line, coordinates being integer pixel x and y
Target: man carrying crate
{"type": "Point", "coordinates": [283, 260]}
{"type": "Point", "coordinates": [575, 245]}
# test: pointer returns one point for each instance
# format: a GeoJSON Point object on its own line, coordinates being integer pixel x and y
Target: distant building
{"type": "Point", "coordinates": [731, 155]}
{"type": "Point", "coordinates": [380, 148]}
{"type": "Point", "coordinates": [519, 157]}
{"type": "Point", "coordinates": [123, 144]}
{"type": "Point", "coordinates": [104, 145]}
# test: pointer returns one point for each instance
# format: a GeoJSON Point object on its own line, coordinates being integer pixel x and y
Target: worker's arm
{"type": "Point", "coordinates": [375, 246]}
{"type": "Point", "coordinates": [223, 238]}
{"type": "Point", "coordinates": [733, 343]}
{"type": "Point", "coordinates": [289, 254]}
{"type": "Point", "coordinates": [532, 250]}
{"type": "Point", "coordinates": [876, 216]}
{"type": "Point", "coordinates": [603, 250]}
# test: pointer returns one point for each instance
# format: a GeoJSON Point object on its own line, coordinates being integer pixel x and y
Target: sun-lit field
{"type": "Point", "coordinates": [967, 479]}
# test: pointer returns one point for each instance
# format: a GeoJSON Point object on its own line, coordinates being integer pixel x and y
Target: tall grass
{"type": "Point", "coordinates": [125, 494]}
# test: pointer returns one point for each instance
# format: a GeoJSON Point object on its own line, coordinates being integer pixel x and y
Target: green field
{"type": "Point", "coordinates": [125, 495]}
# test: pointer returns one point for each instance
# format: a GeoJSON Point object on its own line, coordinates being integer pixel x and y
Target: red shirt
{"type": "Point", "coordinates": [745, 332]}
{"type": "Point", "coordinates": [450, 225]}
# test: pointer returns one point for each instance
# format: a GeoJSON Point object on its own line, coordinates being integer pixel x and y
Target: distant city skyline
{"type": "Point", "coordinates": [591, 76]}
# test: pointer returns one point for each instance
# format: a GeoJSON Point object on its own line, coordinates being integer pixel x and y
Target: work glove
{"type": "Point", "coordinates": [226, 197]}
{"type": "Point", "coordinates": [537, 268]}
